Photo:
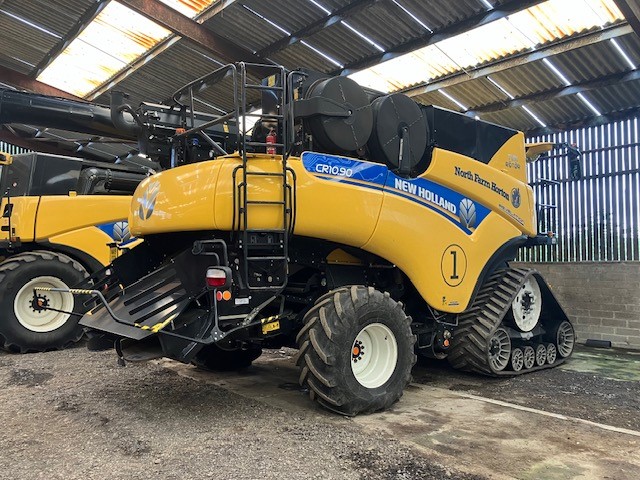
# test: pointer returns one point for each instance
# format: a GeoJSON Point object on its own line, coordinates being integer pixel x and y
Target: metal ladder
{"type": "Point", "coordinates": [265, 251]}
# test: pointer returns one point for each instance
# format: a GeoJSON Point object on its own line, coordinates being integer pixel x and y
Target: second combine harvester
{"type": "Point", "coordinates": [360, 227]}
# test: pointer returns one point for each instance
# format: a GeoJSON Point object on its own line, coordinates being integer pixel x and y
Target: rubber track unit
{"type": "Point", "coordinates": [17, 261]}
{"type": "Point", "coordinates": [477, 325]}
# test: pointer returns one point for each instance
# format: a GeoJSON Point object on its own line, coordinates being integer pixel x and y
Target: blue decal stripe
{"type": "Point", "coordinates": [378, 177]}
{"type": "Point", "coordinates": [357, 183]}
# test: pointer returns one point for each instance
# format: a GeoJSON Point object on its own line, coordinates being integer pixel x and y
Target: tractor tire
{"type": "Point", "coordinates": [25, 329]}
{"type": "Point", "coordinates": [356, 351]}
{"type": "Point", "coordinates": [214, 359]}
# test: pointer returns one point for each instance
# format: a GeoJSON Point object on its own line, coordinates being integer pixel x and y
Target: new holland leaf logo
{"type": "Point", "coordinates": [148, 200]}
{"type": "Point", "coordinates": [467, 213]}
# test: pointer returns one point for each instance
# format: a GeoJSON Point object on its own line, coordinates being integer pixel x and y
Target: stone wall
{"type": "Point", "coordinates": [602, 299]}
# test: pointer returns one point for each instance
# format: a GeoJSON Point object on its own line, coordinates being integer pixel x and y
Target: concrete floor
{"type": "Point", "coordinates": [495, 427]}
{"type": "Point", "coordinates": [74, 414]}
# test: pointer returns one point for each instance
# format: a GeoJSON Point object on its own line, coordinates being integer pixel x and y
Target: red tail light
{"type": "Point", "coordinates": [218, 277]}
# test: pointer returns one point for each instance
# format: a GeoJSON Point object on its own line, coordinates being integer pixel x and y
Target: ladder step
{"type": "Point", "coordinates": [272, 288]}
{"type": "Point", "coordinates": [266, 174]}
{"type": "Point", "coordinates": [254, 259]}
{"type": "Point", "coordinates": [265, 202]}
{"type": "Point", "coordinates": [265, 116]}
{"type": "Point", "coordinates": [262, 87]}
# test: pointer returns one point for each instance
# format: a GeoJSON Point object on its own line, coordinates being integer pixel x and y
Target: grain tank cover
{"type": "Point", "coordinates": [343, 119]}
{"type": "Point", "coordinates": [400, 131]}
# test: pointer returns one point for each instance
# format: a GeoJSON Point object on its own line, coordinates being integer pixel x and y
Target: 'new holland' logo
{"type": "Point", "coordinates": [424, 193]}
{"type": "Point", "coordinates": [467, 213]}
{"type": "Point", "coordinates": [148, 200]}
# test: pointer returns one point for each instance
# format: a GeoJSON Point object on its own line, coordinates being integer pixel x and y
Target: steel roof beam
{"type": "Point", "coordinates": [616, 78]}
{"type": "Point", "coordinates": [85, 19]}
{"type": "Point", "coordinates": [315, 27]}
{"type": "Point", "coordinates": [631, 11]}
{"type": "Point", "coordinates": [192, 31]}
{"type": "Point", "coordinates": [523, 58]}
{"type": "Point", "coordinates": [501, 11]}
{"type": "Point", "coordinates": [25, 82]}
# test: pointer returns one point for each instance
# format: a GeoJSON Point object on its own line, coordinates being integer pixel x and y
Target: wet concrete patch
{"type": "Point", "coordinates": [28, 378]}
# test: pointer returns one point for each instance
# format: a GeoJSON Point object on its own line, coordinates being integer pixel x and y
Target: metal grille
{"type": "Point", "coordinates": [596, 218]}
{"type": "Point", "coordinates": [11, 149]}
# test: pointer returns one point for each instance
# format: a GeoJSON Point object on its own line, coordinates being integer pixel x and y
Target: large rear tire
{"type": "Point", "coordinates": [24, 326]}
{"type": "Point", "coordinates": [356, 351]}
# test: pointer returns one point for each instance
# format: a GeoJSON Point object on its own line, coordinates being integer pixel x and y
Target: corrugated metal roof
{"type": "Point", "coordinates": [257, 25]}
{"type": "Point", "coordinates": [152, 84]}
{"type": "Point", "coordinates": [539, 25]}
{"type": "Point", "coordinates": [114, 39]}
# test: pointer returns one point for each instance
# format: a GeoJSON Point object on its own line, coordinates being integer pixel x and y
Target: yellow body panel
{"type": "Point", "coordinates": [486, 185]}
{"type": "Point", "coordinates": [70, 221]}
{"type": "Point", "coordinates": [440, 229]}
{"type": "Point", "coordinates": [26, 209]}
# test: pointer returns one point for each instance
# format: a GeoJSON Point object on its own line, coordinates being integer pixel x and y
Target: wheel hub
{"type": "Point", "coordinates": [527, 306]}
{"type": "Point", "coordinates": [357, 352]}
{"type": "Point", "coordinates": [33, 311]}
{"type": "Point", "coordinates": [374, 355]}
{"type": "Point", "coordinates": [39, 303]}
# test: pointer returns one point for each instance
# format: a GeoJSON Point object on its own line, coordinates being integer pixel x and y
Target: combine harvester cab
{"type": "Point", "coordinates": [359, 227]}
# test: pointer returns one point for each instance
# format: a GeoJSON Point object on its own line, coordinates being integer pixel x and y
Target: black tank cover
{"type": "Point", "coordinates": [339, 134]}
{"type": "Point", "coordinates": [391, 114]}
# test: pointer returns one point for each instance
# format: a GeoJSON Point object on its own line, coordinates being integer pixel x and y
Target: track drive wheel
{"type": "Point", "coordinates": [527, 306]}
{"type": "Point", "coordinates": [356, 350]}
{"type": "Point", "coordinates": [25, 326]}
{"type": "Point", "coordinates": [215, 359]}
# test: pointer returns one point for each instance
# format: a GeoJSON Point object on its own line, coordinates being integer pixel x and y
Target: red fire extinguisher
{"type": "Point", "coordinates": [271, 140]}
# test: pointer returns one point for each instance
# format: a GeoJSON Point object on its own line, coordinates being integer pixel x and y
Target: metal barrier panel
{"type": "Point", "coordinates": [11, 149]}
{"type": "Point", "coordinates": [596, 218]}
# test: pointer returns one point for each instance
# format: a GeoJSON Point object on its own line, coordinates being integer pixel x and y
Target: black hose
{"type": "Point", "coordinates": [113, 180]}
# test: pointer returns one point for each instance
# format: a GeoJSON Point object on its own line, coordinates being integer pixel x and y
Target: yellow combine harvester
{"type": "Point", "coordinates": [64, 218]}
{"type": "Point", "coordinates": [52, 237]}
{"type": "Point", "coordinates": [359, 227]}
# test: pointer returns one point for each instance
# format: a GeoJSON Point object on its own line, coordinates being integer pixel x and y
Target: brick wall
{"type": "Point", "coordinates": [602, 299]}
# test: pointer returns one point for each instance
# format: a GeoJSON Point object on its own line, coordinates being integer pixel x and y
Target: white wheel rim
{"type": "Point", "coordinates": [527, 305]}
{"type": "Point", "coordinates": [499, 350]}
{"type": "Point", "coordinates": [529, 357]}
{"type": "Point", "coordinates": [551, 353]}
{"type": "Point", "coordinates": [517, 359]}
{"type": "Point", "coordinates": [541, 355]}
{"type": "Point", "coordinates": [565, 339]}
{"type": "Point", "coordinates": [42, 321]}
{"type": "Point", "coordinates": [374, 355]}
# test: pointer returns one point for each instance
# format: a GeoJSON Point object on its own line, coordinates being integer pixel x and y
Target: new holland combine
{"type": "Point", "coordinates": [358, 226]}
{"type": "Point", "coordinates": [64, 218]}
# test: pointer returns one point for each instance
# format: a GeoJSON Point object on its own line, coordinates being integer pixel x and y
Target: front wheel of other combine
{"type": "Point", "coordinates": [356, 350]}
{"type": "Point", "coordinates": [36, 323]}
